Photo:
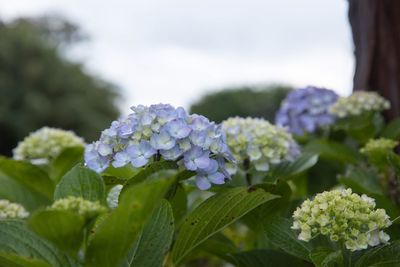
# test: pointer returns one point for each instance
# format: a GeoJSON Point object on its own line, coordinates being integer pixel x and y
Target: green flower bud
{"type": "Point", "coordinates": [86, 208]}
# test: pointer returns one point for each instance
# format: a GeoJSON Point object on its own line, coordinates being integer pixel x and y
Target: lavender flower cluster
{"type": "Point", "coordinates": [163, 131]}
{"type": "Point", "coordinates": [307, 109]}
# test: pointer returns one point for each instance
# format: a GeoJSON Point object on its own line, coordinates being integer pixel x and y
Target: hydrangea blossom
{"type": "Point", "coordinates": [83, 207]}
{"type": "Point", "coordinates": [9, 210]}
{"type": "Point", "coordinates": [163, 131]}
{"type": "Point", "coordinates": [307, 109]}
{"type": "Point", "coordinates": [258, 141]}
{"type": "Point", "coordinates": [342, 216]}
{"type": "Point", "coordinates": [378, 146]}
{"type": "Point", "coordinates": [46, 144]}
{"type": "Point", "coordinates": [357, 103]}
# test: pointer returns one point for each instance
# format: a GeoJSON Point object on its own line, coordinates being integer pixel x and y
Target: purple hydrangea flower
{"type": "Point", "coordinates": [307, 109]}
{"type": "Point", "coordinates": [192, 140]}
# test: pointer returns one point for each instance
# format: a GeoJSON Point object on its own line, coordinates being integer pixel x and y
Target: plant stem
{"type": "Point", "coordinates": [246, 167]}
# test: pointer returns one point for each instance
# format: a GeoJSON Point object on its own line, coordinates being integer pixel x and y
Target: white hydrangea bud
{"type": "Point", "coordinates": [358, 103]}
{"type": "Point", "coordinates": [342, 216]}
{"type": "Point", "coordinates": [46, 144]}
{"type": "Point", "coordinates": [86, 208]}
{"type": "Point", "coordinates": [259, 141]}
{"type": "Point", "coordinates": [9, 210]}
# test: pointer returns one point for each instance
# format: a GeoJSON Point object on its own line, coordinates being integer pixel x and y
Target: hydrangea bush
{"type": "Point", "coordinates": [306, 110]}
{"type": "Point", "coordinates": [46, 144]}
{"type": "Point", "coordinates": [125, 199]}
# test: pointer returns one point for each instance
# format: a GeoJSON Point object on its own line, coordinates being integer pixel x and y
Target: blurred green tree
{"type": "Point", "coordinates": [254, 101]}
{"type": "Point", "coordinates": [39, 86]}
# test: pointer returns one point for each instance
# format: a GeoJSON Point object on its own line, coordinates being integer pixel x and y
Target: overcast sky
{"type": "Point", "coordinates": [174, 51]}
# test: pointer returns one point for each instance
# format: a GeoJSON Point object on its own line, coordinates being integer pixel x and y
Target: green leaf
{"type": "Point", "coordinates": [81, 182]}
{"type": "Point", "coordinates": [265, 258]}
{"type": "Point", "coordinates": [299, 165]}
{"type": "Point", "coordinates": [156, 237]}
{"type": "Point", "coordinates": [383, 256]}
{"type": "Point", "coordinates": [116, 234]}
{"type": "Point", "coordinates": [63, 228]}
{"type": "Point", "coordinates": [67, 159]}
{"type": "Point", "coordinates": [214, 214]}
{"type": "Point", "coordinates": [25, 183]}
{"type": "Point", "coordinates": [392, 130]}
{"type": "Point", "coordinates": [361, 180]}
{"type": "Point", "coordinates": [279, 232]}
{"type": "Point", "coordinates": [179, 204]}
{"type": "Point", "coordinates": [16, 238]}
{"type": "Point", "coordinates": [220, 246]}
{"type": "Point", "coordinates": [14, 260]}
{"type": "Point", "coordinates": [148, 171]}
{"type": "Point", "coordinates": [124, 173]}
{"type": "Point", "coordinates": [333, 151]}
{"type": "Point", "coordinates": [326, 257]}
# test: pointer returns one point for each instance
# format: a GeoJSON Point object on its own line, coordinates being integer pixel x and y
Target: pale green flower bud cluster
{"type": "Point", "coordinates": [83, 207]}
{"type": "Point", "coordinates": [358, 103]}
{"type": "Point", "coordinates": [381, 145]}
{"type": "Point", "coordinates": [259, 141]}
{"type": "Point", "coordinates": [46, 143]}
{"type": "Point", "coordinates": [342, 216]}
{"type": "Point", "coordinates": [9, 210]}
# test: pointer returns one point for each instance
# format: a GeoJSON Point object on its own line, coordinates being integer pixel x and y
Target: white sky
{"type": "Point", "coordinates": [174, 51]}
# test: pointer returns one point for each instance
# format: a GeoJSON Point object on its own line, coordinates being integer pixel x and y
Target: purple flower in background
{"type": "Point", "coordinates": [307, 109]}
{"type": "Point", "coordinates": [192, 140]}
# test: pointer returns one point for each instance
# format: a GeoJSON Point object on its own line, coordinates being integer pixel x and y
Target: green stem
{"type": "Point", "coordinates": [246, 167]}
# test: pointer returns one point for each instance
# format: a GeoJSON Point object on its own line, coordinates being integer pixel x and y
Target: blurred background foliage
{"type": "Point", "coordinates": [253, 101]}
{"type": "Point", "coordinates": [39, 86]}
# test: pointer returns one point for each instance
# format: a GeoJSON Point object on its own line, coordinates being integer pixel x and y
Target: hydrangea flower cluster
{"type": "Point", "coordinates": [306, 110]}
{"type": "Point", "coordinates": [83, 207]}
{"type": "Point", "coordinates": [357, 103]}
{"type": "Point", "coordinates": [260, 142]}
{"type": "Point", "coordinates": [9, 210]}
{"type": "Point", "coordinates": [343, 216]}
{"type": "Point", "coordinates": [163, 131]}
{"type": "Point", "coordinates": [378, 146]}
{"type": "Point", "coordinates": [46, 143]}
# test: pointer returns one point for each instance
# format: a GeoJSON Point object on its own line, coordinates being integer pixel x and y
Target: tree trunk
{"type": "Point", "coordinates": [376, 33]}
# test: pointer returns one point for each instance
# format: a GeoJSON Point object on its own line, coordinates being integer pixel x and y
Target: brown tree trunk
{"type": "Point", "coordinates": [376, 33]}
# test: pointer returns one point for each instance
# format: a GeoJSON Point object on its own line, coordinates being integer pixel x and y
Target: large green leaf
{"type": "Point", "coordinates": [63, 228]}
{"type": "Point", "coordinates": [25, 183]}
{"type": "Point", "coordinates": [333, 151]}
{"type": "Point", "coordinates": [265, 258]}
{"type": "Point", "coordinates": [214, 214]}
{"type": "Point", "coordinates": [81, 182]}
{"type": "Point", "coordinates": [16, 238]}
{"type": "Point", "coordinates": [156, 238]}
{"type": "Point", "coordinates": [116, 234]}
{"type": "Point", "coordinates": [14, 260]}
{"type": "Point", "coordinates": [220, 246]}
{"type": "Point", "coordinates": [383, 256]}
{"type": "Point", "coordinates": [289, 169]}
{"type": "Point", "coordinates": [326, 257]}
{"type": "Point", "coordinates": [67, 159]}
{"type": "Point", "coordinates": [279, 232]}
